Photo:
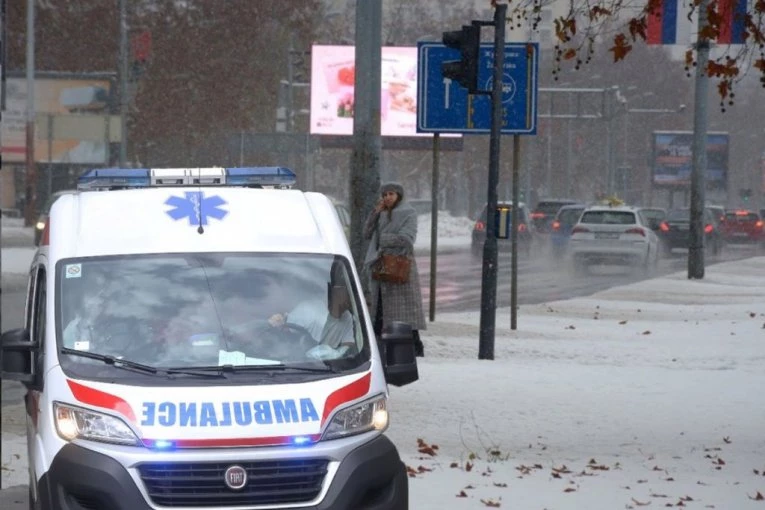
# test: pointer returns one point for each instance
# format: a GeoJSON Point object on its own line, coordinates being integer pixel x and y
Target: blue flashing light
{"type": "Point", "coordinates": [301, 440]}
{"type": "Point", "coordinates": [163, 444]}
{"type": "Point", "coordinates": [264, 176]}
{"type": "Point", "coordinates": [114, 177]}
{"type": "Point", "coordinates": [119, 178]}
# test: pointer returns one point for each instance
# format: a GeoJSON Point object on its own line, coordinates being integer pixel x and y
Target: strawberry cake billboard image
{"type": "Point", "coordinates": [332, 91]}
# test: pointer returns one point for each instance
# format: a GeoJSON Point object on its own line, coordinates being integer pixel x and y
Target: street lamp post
{"type": "Point", "coordinates": [627, 111]}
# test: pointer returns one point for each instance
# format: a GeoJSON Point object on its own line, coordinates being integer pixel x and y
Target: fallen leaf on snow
{"type": "Point", "coordinates": [426, 448]}
{"type": "Point", "coordinates": [757, 497]}
{"type": "Point", "coordinates": [462, 494]}
{"type": "Point", "coordinates": [491, 503]}
{"type": "Point", "coordinates": [640, 503]}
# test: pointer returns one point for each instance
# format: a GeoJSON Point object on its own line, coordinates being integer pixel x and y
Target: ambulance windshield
{"type": "Point", "coordinates": [206, 311]}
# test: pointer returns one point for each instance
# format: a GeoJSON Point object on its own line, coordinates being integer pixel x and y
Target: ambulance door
{"type": "Point", "coordinates": [35, 324]}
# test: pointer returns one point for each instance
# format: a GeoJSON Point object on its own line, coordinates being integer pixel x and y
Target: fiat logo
{"type": "Point", "coordinates": [235, 477]}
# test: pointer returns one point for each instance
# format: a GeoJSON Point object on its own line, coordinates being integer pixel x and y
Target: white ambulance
{"type": "Point", "coordinates": [197, 338]}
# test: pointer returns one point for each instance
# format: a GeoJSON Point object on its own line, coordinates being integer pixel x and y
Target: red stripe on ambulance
{"type": "Point", "coordinates": [100, 398]}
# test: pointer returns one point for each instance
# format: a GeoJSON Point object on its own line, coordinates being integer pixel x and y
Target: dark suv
{"type": "Point", "coordinates": [543, 214]}
{"type": "Point", "coordinates": [504, 219]}
{"type": "Point", "coordinates": [674, 231]}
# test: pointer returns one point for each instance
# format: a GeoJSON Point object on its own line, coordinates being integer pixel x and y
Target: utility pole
{"type": "Point", "coordinates": [124, 95]}
{"type": "Point", "coordinates": [365, 160]}
{"type": "Point", "coordinates": [699, 170]}
{"type": "Point", "coordinates": [3, 51]}
{"type": "Point", "coordinates": [30, 199]}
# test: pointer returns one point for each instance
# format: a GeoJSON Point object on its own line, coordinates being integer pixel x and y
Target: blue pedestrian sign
{"type": "Point", "coordinates": [443, 106]}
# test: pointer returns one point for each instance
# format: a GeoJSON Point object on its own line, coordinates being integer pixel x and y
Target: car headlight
{"type": "Point", "coordinates": [40, 225]}
{"type": "Point", "coordinates": [368, 415]}
{"type": "Point", "coordinates": [78, 423]}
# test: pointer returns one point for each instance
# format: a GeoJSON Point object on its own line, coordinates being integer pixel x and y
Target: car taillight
{"type": "Point", "coordinates": [480, 226]}
{"type": "Point", "coordinates": [636, 230]}
{"type": "Point", "coordinates": [664, 227]}
{"type": "Point", "coordinates": [709, 229]}
{"type": "Point", "coordinates": [579, 230]}
{"type": "Point", "coordinates": [556, 225]}
{"type": "Point", "coordinates": [759, 224]}
{"type": "Point", "coordinates": [537, 215]}
{"type": "Point", "coordinates": [522, 227]}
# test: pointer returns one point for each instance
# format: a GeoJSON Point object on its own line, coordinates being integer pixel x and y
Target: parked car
{"type": "Point", "coordinates": [561, 227]}
{"type": "Point", "coordinates": [543, 214]}
{"type": "Point", "coordinates": [526, 231]}
{"type": "Point", "coordinates": [743, 226]}
{"type": "Point", "coordinates": [719, 212]}
{"type": "Point", "coordinates": [613, 235]}
{"type": "Point", "coordinates": [674, 231]}
{"type": "Point", "coordinates": [42, 219]}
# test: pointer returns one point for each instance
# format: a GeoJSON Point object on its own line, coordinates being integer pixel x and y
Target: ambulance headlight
{"type": "Point", "coordinates": [368, 415]}
{"type": "Point", "coordinates": [78, 423]}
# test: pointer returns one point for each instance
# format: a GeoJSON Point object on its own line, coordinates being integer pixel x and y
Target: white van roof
{"type": "Point", "coordinates": [167, 219]}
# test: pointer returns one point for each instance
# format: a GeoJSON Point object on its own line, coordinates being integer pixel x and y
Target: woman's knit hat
{"type": "Point", "coordinates": [393, 186]}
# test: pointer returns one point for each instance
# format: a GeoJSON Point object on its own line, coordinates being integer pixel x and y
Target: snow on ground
{"type": "Point", "coordinates": [646, 394]}
{"type": "Point", "coordinates": [452, 230]}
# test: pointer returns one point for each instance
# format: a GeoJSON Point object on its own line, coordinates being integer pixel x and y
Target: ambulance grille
{"type": "Point", "coordinates": [201, 484]}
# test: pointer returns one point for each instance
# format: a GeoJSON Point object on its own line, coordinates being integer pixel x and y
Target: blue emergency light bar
{"type": "Point", "coordinates": [121, 178]}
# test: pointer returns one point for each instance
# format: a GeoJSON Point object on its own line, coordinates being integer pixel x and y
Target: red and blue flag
{"type": "Point", "coordinates": [670, 23]}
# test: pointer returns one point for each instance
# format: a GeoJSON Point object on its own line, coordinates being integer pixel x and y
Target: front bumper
{"type": "Point", "coordinates": [370, 477]}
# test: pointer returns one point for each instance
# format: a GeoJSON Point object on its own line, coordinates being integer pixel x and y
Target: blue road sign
{"type": "Point", "coordinates": [443, 106]}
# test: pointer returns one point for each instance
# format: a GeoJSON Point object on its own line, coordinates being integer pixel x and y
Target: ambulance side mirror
{"type": "Point", "coordinates": [396, 346]}
{"type": "Point", "coordinates": [16, 356]}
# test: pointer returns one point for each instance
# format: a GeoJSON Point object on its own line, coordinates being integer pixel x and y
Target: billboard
{"type": "Point", "coordinates": [673, 159]}
{"type": "Point", "coordinates": [53, 96]}
{"type": "Point", "coordinates": [332, 91]}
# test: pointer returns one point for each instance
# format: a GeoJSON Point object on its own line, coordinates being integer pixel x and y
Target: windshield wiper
{"type": "Point", "coordinates": [135, 366]}
{"type": "Point", "coordinates": [278, 367]}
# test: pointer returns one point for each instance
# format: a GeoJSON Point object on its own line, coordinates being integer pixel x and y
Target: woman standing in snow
{"type": "Point", "coordinates": [391, 229]}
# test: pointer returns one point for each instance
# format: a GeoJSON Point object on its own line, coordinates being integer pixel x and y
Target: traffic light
{"type": "Point", "coordinates": [465, 70]}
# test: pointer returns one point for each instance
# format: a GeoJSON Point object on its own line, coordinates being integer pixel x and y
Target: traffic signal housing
{"type": "Point", "coordinates": [465, 70]}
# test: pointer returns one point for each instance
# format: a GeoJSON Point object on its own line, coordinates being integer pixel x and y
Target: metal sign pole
{"type": "Point", "coordinates": [514, 263]}
{"type": "Point", "coordinates": [489, 281]}
{"type": "Point", "coordinates": [434, 227]}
